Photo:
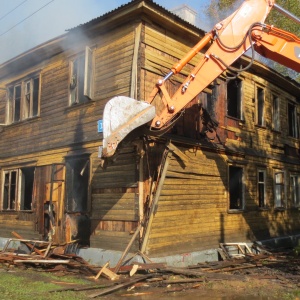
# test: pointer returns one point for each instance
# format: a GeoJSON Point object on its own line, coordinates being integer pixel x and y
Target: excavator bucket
{"type": "Point", "coordinates": [122, 115]}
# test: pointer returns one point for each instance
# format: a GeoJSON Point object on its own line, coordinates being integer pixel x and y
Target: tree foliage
{"type": "Point", "coordinates": [219, 9]}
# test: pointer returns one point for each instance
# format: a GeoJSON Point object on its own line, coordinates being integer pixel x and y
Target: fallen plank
{"type": "Point", "coordinates": [41, 261]}
{"type": "Point", "coordinates": [119, 286]}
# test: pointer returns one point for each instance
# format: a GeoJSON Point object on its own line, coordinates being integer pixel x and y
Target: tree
{"type": "Point", "coordinates": [219, 9]}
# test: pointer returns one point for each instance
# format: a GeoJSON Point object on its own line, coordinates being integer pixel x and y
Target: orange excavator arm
{"type": "Point", "coordinates": [228, 40]}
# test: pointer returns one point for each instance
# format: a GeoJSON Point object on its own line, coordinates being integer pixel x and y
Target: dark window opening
{"type": "Point", "coordinates": [260, 96]}
{"type": "Point", "coordinates": [77, 182]}
{"type": "Point", "coordinates": [292, 119]}
{"type": "Point", "coordinates": [234, 98]}
{"type": "Point", "coordinates": [27, 188]}
{"type": "Point", "coordinates": [236, 188]}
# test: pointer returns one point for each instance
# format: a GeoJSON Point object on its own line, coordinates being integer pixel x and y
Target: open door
{"type": "Point", "coordinates": [48, 201]}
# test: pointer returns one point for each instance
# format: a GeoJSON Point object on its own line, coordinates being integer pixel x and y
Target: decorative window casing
{"type": "Point", "coordinates": [261, 188]}
{"type": "Point", "coordinates": [234, 98]}
{"type": "Point", "coordinates": [236, 188]}
{"type": "Point", "coordinates": [23, 99]}
{"type": "Point", "coordinates": [81, 77]}
{"type": "Point", "coordinates": [295, 190]}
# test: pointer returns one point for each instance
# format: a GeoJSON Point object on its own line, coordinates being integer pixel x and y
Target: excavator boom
{"type": "Point", "coordinates": [229, 39]}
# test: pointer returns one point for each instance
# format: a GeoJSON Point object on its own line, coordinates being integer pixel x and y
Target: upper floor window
{"type": "Point", "coordinates": [295, 190]}
{"type": "Point", "coordinates": [81, 77]}
{"type": "Point", "coordinates": [292, 120]}
{"type": "Point", "coordinates": [236, 188]}
{"type": "Point", "coordinates": [276, 113]}
{"type": "Point", "coordinates": [234, 98]}
{"type": "Point", "coordinates": [23, 100]}
{"type": "Point", "coordinates": [261, 188]}
{"type": "Point", "coordinates": [260, 106]}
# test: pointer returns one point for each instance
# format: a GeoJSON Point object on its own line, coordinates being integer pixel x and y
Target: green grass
{"type": "Point", "coordinates": [29, 285]}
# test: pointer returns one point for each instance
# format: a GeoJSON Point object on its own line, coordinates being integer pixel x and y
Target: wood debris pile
{"type": "Point", "coordinates": [42, 254]}
{"type": "Point", "coordinates": [132, 274]}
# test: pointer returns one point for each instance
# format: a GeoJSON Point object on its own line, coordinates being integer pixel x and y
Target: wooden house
{"type": "Point", "coordinates": [190, 189]}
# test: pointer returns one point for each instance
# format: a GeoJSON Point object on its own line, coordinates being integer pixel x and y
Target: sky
{"type": "Point", "coordinates": [25, 24]}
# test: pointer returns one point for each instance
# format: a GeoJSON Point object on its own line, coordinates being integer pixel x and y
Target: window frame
{"type": "Point", "coordinates": [295, 192]}
{"type": "Point", "coordinates": [283, 189]}
{"type": "Point", "coordinates": [264, 183]}
{"type": "Point", "coordinates": [20, 189]}
{"type": "Point", "coordinates": [81, 85]}
{"type": "Point", "coordinates": [260, 105]}
{"type": "Point", "coordinates": [293, 126]}
{"type": "Point", "coordinates": [276, 124]}
{"type": "Point", "coordinates": [241, 188]}
{"type": "Point", "coordinates": [23, 104]}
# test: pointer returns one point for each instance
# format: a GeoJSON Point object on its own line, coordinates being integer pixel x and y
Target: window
{"type": "Point", "coordinates": [295, 190]}
{"type": "Point", "coordinates": [261, 188]}
{"type": "Point", "coordinates": [260, 106]}
{"type": "Point", "coordinates": [292, 120]}
{"type": "Point", "coordinates": [17, 189]}
{"type": "Point", "coordinates": [234, 98]}
{"type": "Point", "coordinates": [23, 100]}
{"type": "Point", "coordinates": [77, 180]}
{"type": "Point", "coordinates": [276, 113]}
{"type": "Point", "coordinates": [279, 189]}
{"type": "Point", "coordinates": [236, 189]}
{"type": "Point", "coordinates": [81, 78]}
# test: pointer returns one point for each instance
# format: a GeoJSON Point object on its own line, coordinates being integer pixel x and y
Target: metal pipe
{"type": "Point", "coordinates": [286, 13]}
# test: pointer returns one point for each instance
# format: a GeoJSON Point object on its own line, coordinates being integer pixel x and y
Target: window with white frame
{"type": "Point", "coordinates": [295, 190]}
{"type": "Point", "coordinates": [292, 120]}
{"type": "Point", "coordinates": [260, 106]}
{"type": "Point", "coordinates": [81, 77]}
{"type": "Point", "coordinates": [17, 189]}
{"type": "Point", "coordinates": [236, 188]}
{"type": "Point", "coordinates": [279, 189]}
{"type": "Point", "coordinates": [276, 113]}
{"type": "Point", "coordinates": [234, 98]}
{"type": "Point", "coordinates": [23, 100]}
{"type": "Point", "coordinates": [261, 188]}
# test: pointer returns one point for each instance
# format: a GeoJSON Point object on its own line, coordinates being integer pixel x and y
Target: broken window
{"type": "Point", "coordinates": [236, 194]}
{"type": "Point", "coordinates": [261, 188]}
{"type": "Point", "coordinates": [77, 183]}
{"type": "Point", "coordinates": [276, 113]}
{"type": "Point", "coordinates": [17, 189]}
{"type": "Point", "coordinates": [292, 120]}
{"type": "Point", "coordinates": [23, 100]}
{"type": "Point", "coordinates": [279, 189]}
{"type": "Point", "coordinates": [260, 106]}
{"type": "Point", "coordinates": [81, 78]}
{"type": "Point", "coordinates": [295, 190]}
{"type": "Point", "coordinates": [234, 98]}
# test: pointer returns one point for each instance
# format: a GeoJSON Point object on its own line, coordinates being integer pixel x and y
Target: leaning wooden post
{"type": "Point", "coordinates": [117, 267]}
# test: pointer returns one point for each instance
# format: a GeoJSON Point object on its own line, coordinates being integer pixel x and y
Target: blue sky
{"type": "Point", "coordinates": [25, 24]}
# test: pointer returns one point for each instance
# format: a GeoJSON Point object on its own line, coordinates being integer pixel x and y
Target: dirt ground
{"type": "Point", "coordinates": [271, 277]}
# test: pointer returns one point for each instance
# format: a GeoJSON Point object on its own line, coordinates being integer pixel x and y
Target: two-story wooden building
{"type": "Point", "coordinates": [190, 190]}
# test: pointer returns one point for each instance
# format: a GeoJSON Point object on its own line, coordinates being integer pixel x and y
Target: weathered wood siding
{"type": "Point", "coordinates": [114, 211]}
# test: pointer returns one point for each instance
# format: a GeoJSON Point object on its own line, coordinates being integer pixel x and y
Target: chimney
{"type": "Point", "coordinates": [186, 13]}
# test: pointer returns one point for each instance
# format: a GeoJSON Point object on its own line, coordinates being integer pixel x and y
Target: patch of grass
{"type": "Point", "coordinates": [28, 285]}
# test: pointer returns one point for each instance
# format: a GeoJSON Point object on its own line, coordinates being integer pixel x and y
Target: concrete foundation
{"type": "Point", "coordinates": [99, 257]}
